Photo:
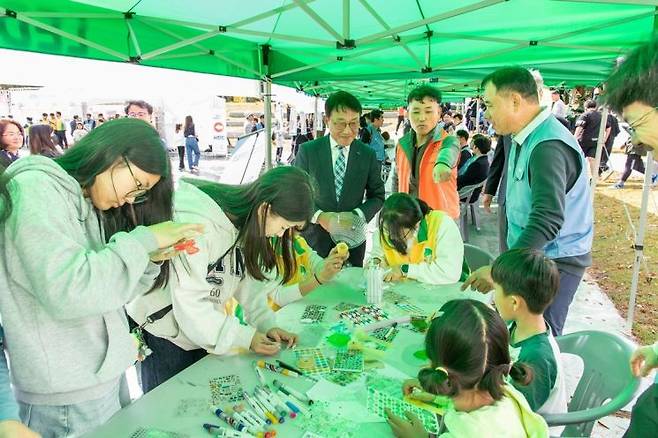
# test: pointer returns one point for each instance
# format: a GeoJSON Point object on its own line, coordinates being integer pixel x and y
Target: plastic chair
{"type": "Point", "coordinates": [466, 192]}
{"type": "Point", "coordinates": [606, 386]}
{"type": "Point", "coordinates": [476, 257]}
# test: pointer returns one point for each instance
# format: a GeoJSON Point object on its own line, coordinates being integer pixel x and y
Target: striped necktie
{"type": "Point", "coordinates": [339, 171]}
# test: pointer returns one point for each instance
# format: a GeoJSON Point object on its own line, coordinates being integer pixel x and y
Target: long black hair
{"type": "Point", "coordinates": [285, 191]}
{"type": "Point", "coordinates": [400, 211]}
{"type": "Point", "coordinates": [41, 142]}
{"type": "Point", "coordinates": [140, 144]}
{"type": "Point", "coordinates": [468, 348]}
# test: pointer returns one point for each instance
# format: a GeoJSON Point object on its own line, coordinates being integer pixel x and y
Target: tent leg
{"type": "Point", "coordinates": [317, 123]}
{"type": "Point", "coordinates": [600, 144]}
{"type": "Point", "coordinates": [268, 123]}
{"type": "Point", "coordinates": [639, 240]}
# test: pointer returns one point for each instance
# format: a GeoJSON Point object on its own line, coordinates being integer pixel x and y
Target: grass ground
{"type": "Point", "coordinates": [613, 254]}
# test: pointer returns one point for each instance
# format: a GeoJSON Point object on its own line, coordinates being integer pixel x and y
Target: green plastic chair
{"type": "Point", "coordinates": [606, 386]}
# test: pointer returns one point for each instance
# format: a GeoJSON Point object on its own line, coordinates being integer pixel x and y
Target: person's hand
{"type": "Point", "coordinates": [479, 280]}
{"type": "Point", "coordinates": [441, 173]}
{"type": "Point", "coordinates": [394, 274]}
{"type": "Point", "coordinates": [279, 335]}
{"type": "Point", "coordinates": [16, 429]}
{"type": "Point", "coordinates": [486, 202]}
{"type": "Point", "coordinates": [406, 429]}
{"type": "Point", "coordinates": [325, 219]}
{"type": "Point", "coordinates": [332, 266]}
{"type": "Point", "coordinates": [163, 254]}
{"type": "Point", "coordinates": [169, 233]}
{"type": "Point", "coordinates": [262, 344]}
{"type": "Point", "coordinates": [409, 385]}
{"type": "Point", "coordinates": [643, 360]}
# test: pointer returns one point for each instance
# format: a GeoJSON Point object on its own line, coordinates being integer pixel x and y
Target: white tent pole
{"type": "Point", "coordinates": [317, 123]}
{"type": "Point", "coordinates": [268, 121]}
{"type": "Point", "coordinates": [639, 240]}
{"type": "Point", "coordinates": [600, 144]}
{"type": "Point", "coordinates": [477, 114]}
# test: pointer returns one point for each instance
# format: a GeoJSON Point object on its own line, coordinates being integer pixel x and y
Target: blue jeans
{"type": "Point", "coordinates": [70, 420]}
{"type": "Point", "coordinates": [556, 313]}
{"type": "Point", "coordinates": [193, 153]}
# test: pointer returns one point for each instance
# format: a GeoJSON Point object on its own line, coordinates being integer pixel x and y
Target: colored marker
{"type": "Point", "coordinates": [277, 400]}
{"type": "Point", "coordinates": [270, 408]}
{"type": "Point", "coordinates": [283, 412]}
{"type": "Point", "coordinates": [250, 416]}
{"type": "Point", "coordinates": [390, 331]}
{"type": "Point", "coordinates": [237, 425]}
{"type": "Point", "coordinates": [282, 364]}
{"type": "Point", "coordinates": [220, 431]}
{"type": "Point", "coordinates": [293, 403]}
{"type": "Point", "coordinates": [277, 369]}
{"type": "Point", "coordinates": [257, 408]}
{"type": "Point", "coordinates": [260, 375]}
{"type": "Point", "coordinates": [293, 392]}
{"type": "Point", "coordinates": [266, 411]}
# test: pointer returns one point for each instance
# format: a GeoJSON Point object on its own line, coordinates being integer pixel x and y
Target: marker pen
{"type": "Point", "coordinates": [282, 412]}
{"type": "Point", "coordinates": [246, 421]}
{"type": "Point", "coordinates": [259, 373]}
{"type": "Point", "coordinates": [260, 411]}
{"type": "Point", "coordinates": [293, 402]}
{"type": "Point", "coordinates": [223, 432]}
{"type": "Point", "coordinates": [280, 403]}
{"type": "Point", "coordinates": [293, 392]}
{"type": "Point", "coordinates": [266, 411]}
{"type": "Point", "coordinates": [270, 408]}
{"type": "Point", "coordinates": [248, 414]}
{"type": "Point", "coordinates": [237, 425]}
{"type": "Point", "coordinates": [277, 369]}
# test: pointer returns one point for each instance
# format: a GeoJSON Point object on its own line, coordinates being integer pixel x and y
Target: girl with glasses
{"type": "Point", "coordinates": [416, 242]}
{"type": "Point", "coordinates": [73, 250]}
{"type": "Point", "coordinates": [11, 140]}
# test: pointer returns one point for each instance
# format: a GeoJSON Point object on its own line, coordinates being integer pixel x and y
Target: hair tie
{"type": "Point", "coordinates": [443, 370]}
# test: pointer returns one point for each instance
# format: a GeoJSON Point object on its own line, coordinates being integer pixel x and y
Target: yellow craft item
{"type": "Point", "coordinates": [342, 249]}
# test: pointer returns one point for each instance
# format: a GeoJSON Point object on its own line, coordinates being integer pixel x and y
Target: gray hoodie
{"type": "Point", "coordinates": [62, 289]}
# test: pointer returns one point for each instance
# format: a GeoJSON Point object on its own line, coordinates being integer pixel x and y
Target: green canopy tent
{"type": "Point", "coordinates": [371, 47]}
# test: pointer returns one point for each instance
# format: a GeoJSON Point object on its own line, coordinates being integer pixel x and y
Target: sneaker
{"type": "Point", "coordinates": [619, 185]}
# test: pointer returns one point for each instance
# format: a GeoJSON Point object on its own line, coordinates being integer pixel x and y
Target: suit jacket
{"type": "Point", "coordinates": [362, 180]}
{"type": "Point", "coordinates": [497, 181]}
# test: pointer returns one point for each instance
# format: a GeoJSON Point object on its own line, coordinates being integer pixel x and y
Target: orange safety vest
{"type": "Point", "coordinates": [439, 196]}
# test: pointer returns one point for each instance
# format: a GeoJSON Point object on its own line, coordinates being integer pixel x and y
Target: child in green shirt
{"type": "Point", "coordinates": [525, 284]}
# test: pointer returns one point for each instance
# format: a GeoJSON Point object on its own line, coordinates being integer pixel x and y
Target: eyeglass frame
{"type": "Point", "coordinates": [140, 194]}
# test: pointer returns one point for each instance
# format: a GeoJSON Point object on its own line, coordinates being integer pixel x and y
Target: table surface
{"type": "Point", "coordinates": [159, 408]}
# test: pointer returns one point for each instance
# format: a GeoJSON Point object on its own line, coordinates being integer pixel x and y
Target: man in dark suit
{"type": "Point", "coordinates": [346, 172]}
{"type": "Point", "coordinates": [476, 169]}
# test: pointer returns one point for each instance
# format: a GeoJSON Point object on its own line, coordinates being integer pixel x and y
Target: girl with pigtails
{"type": "Point", "coordinates": [470, 367]}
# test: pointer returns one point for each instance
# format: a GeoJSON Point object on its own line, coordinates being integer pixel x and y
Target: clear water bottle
{"type": "Point", "coordinates": [374, 283]}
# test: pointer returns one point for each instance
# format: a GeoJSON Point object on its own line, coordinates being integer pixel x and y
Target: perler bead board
{"type": "Point", "coordinates": [363, 315]}
{"type": "Point", "coordinates": [144, 432]}
{"type": "Point", "coordinates": [313, 313]}
{"type": "Point", "coordinates": [345, 306]}
{"type": "Point", "coordinates": [343, 378]}
{"type": "Point", "coordinates": [349, 361]}
{"type": "Point", "coordinates": [378, 401]}
{"type": "Point", "coordinates": [312, 361]}
{"type": "Point", "coordinates": [410, 308]}
{"type": "Point", "coordinates": [226, 389]}
{"type": "Point", "coordinates": [381, 333]}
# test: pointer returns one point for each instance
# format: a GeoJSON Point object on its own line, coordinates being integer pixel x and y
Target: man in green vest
{"type": "Point", "coordinates": [548, 203]}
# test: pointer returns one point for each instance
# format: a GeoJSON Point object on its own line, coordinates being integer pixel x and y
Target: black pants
{"type": "Point", "coordinates": [166, 361]}
{"type": "Point", "coordinates": [556, 314]}
{"type": "Point", "coordinates": [181, 157]}
{"type": "Point", "coordinates": [400, 122]}
{"type": "Point", "coordinates": [633, 162]}
{"type": "Point", "coordinates": [644, 417]}
{"type": "Point", "coordinates": [61, 137]}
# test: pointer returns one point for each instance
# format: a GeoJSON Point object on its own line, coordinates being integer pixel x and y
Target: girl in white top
{"type": "Point", "coordinates": [417, 242]}
{"type": "Point", "coordinates": [469, 364]}
{"type": "Point", "coordinates": [239, 224]}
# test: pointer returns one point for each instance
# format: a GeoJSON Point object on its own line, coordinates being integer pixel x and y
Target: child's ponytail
{"type": "Point", "coordinates": [438, 381]}
{"type": "Point", "coordinates": [521, 373]}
